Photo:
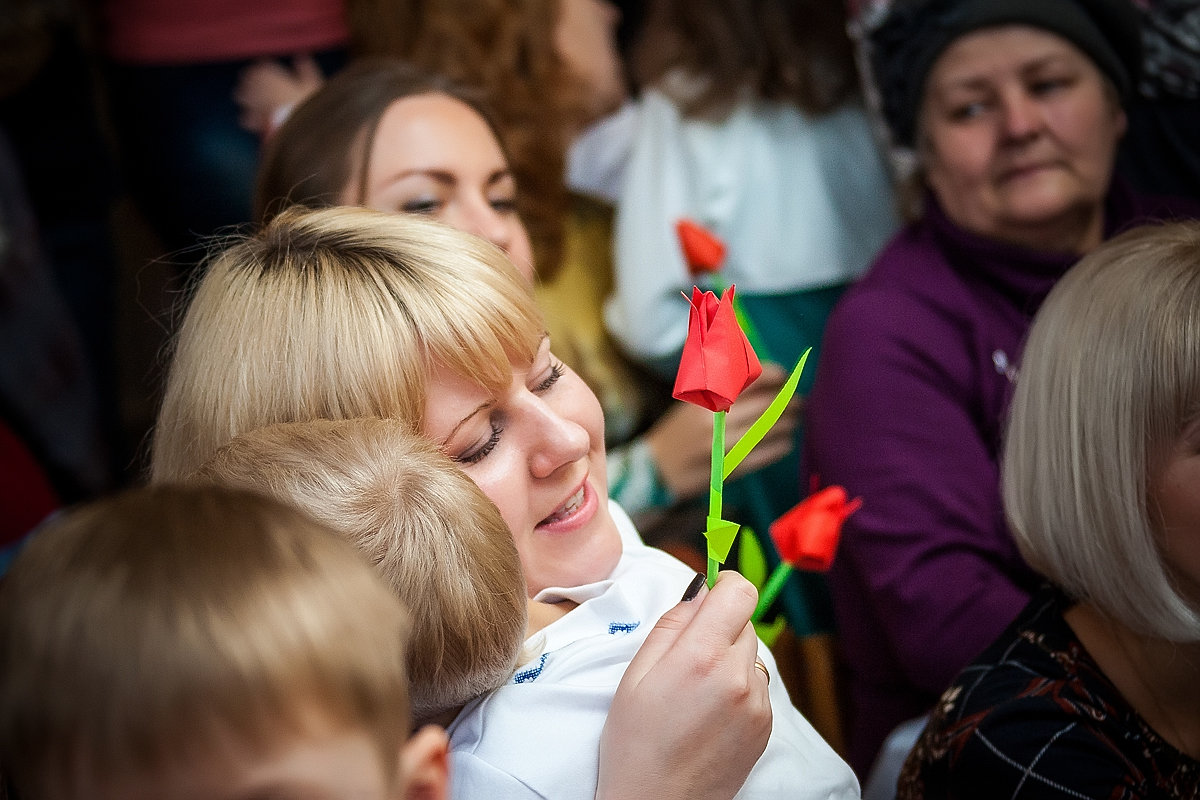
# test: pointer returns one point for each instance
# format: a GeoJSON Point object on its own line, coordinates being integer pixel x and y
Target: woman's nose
{"type": "Point", "coordinates": [1021, 115]}
{"type": "Point", "coordinates": [559, 441]}
{"type": "Point", "coordinates": [481, 219]}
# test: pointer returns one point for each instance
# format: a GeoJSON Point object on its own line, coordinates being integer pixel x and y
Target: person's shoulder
{"type": "Point", "coordinates": [1040, 742]}
{"type": "Point", "coordinates": [1031, 714]}
{"type": "Point", "coordinates": [473, 777]}
{"type": "Point", "coordinates": [911, 263]}
{"type": "Point", "coordinates": [910, 269]}
{"type": "Point", "coordinates": [910, 299]}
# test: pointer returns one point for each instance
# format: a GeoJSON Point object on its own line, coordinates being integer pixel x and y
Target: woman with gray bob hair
{"type": "Point", "coordinates": [1093, 428]}
{"type": "Point", "coordinates": [1094, 691]}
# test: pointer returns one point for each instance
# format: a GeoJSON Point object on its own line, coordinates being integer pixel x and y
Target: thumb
{"type": "Point", "coordinates": [665, 633]}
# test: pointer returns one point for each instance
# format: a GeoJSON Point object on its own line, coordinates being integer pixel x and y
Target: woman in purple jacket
{"type": "Point", "coordinates": [1013, 110]}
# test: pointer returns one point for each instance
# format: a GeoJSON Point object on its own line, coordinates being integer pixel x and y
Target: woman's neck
{"type": "Point", "coordinates": [1159, 678]}
{"type": "Point", "coordinates": [1079, 233]}
{"type": "Point", "coordinates": [542, 614]}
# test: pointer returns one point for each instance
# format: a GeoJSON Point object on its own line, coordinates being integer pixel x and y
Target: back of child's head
{"type": "Point", "coordinates": [149, 630]}
{"type": "Point", "coordinates": [430, 532]}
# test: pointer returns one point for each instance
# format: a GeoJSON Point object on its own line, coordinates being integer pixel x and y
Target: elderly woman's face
{"type": "Point", "coordinates": [1018, 133]}
{"type": "Point", "coordinates": [435, 155]}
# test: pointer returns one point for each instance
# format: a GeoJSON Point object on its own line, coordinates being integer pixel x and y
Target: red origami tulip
{"type": "Point", "coordinates": [718, 362]}
{"type": "Point", "coordinates": [702, 249]}
{"type": "Point", "coordinates": [807, 536]}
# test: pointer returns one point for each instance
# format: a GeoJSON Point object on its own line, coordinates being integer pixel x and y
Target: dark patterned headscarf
{"type": "Point", "coordinates": [914, 33]}
{"type": "Point", "coordinates": [1171, 39]}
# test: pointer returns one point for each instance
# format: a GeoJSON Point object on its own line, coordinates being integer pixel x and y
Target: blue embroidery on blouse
{"type": "Point", "coordinates": [530, 673]}
{"type": "Point", "coordinates": [622, 627]}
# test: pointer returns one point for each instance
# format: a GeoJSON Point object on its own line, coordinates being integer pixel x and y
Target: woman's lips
{"type": "Point", "coordinates": [576, 510]}
{"type": "Point", "coordinates": [1017, 173]}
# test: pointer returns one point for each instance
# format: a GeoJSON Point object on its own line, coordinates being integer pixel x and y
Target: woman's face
{"type": "Point", "coordinates": [1018, 132]}
{"type": "Point", "coordinates": [435, 155]}
{"type": "Point", "coordinates": [586, 39]}
{"type": "Point", "coordinates": [1175, 496]}
{"type": "Point", "coordinates": [537, 451]}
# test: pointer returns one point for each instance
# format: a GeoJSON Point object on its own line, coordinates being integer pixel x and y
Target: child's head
{"type": "Point", "coordinates": [428, 529]}
{"type": "Point", "coordinates": [174, 642]}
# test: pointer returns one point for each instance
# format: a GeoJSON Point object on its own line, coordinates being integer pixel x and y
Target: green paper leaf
{"type": "Point", "coordinates": [720, 535]}
{"type": "Point", "coordinates": [752, 562]}
{"type": "Point", "coordinates": [769, 631]}
{"type": "Point", "coordinates": [766, 420]}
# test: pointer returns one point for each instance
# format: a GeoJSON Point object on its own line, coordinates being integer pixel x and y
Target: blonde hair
{"type": "Point", "coordinates": [1109, 380]}
{"type": "Point", "coordinates": [335, 314]}
{"type": "Point", "coordinates": [137, 632]}
{"type": "Point", "coordinates": [424, 525]}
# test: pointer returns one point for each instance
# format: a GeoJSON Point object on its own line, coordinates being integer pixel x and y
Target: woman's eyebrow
{"type": "Point", "coordinates": [439, 175]}
{"type": "Point", "coordinates": [482, 406]}
{"type": "Point", "coordinates": [499, 175]}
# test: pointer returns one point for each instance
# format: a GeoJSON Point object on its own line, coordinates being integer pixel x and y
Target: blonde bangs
{"type": "Point", "coordinates": [336, 314]}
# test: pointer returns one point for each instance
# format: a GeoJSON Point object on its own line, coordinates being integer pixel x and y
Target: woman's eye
{"type": "Point", "coordinates": [425, 205]}
{"type": "Point", "coordinates": [479, 453]}
{"type": "Point", "coordinates": [1048, 85]}
{"type": "Point", "coordinates": [505, 205]}
{"type": "Point", "coordinates": [966, 111]}
{"type": "Point", "coordinates": [556, 371]}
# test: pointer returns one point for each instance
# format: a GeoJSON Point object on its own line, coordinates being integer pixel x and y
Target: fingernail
{"type": "Point", "coordinates": [693, 588]}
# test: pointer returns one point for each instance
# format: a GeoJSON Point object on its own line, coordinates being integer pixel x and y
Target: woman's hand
{"type": "Point", "coordinates": [681, 440]}
{"type": "Point", "coordinates": [692, 715]}
{"type": "Point", "coordinates": [266, 91]}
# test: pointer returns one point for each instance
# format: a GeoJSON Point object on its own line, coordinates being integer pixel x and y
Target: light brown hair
{"type": "Point", "coordinates": [137, 631]}
{"type": "Point", "coordinates": [421, 522]}
{"type": "Point", "coordinates": [790, 51]}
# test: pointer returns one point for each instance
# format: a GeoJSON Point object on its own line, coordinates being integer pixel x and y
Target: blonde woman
{"type": "Point", "coordinates": [345, 312]}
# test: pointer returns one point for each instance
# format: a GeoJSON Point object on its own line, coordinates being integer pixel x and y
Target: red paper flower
{"type": "Point", "coordinates": [807, 536]}
{"type": "Point", "coordinates": [718, 361]}
{"type": "Point", "coordinates": [702, 249]}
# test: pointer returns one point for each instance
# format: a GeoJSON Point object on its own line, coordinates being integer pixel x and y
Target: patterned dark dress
{"type": "Point", "coordinates": [1034, 717]}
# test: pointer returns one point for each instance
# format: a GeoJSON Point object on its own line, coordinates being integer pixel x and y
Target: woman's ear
{"type": "Point", "coordinates": [425, 765]}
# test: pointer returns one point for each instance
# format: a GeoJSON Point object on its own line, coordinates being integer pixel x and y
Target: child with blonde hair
{"type": "Point", "coordinates": [176, 643]}
{"type": "Point", "coordinates": [429, 531]}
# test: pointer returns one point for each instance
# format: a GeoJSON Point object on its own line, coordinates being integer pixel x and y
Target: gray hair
{"type": "Point", "coordinates": [1109, 380]}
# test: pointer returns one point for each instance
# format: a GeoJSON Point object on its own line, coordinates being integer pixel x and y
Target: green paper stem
{"type": "Point", "coordinates": [716, 485]}
{"type": "Point", "coordinates": [765, 420]}
{"type": "Point", "coordinates": [774, 586]}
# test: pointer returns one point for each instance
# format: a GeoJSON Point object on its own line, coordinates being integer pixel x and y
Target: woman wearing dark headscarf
{"type": "Point", "coordinates": [1013, 108]}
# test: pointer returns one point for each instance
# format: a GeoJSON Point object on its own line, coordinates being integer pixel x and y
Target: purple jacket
{"type": "Point", "coordinates": [906, 411]}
